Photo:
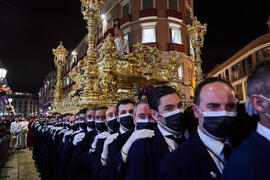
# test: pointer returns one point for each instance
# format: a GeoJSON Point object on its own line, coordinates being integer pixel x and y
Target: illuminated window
{"type": "Point", "coordinates": [175, 33]}
{"type": "Point", "coordinates": [180, 72]}
{"type": "Point", "coordinates": [148, 35]}
{"type": "Point", "coordinates": [175, 36]}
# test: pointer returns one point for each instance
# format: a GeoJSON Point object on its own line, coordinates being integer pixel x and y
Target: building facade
{"type": "Point", "coordinates": [237, 68]}
{"type": "Point", "coordinates": [25, 104]}
{"type": "Point", "coordinates": [46, 93]}
{"type": "Point", "coordinates": [158, 23]}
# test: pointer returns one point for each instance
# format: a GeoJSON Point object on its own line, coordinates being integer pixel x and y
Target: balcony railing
{"type": "Point", "coordinates": [241, 72]}
{"type": "Point", "coordinates": [152, 44]}
{"type": "Point", "coordinates": [175, 14]}
{"type": "Point", "coordinates": [125, 19]}
{"type": "Point", "coordinates": [148, 12]}
{"type": "Point", "coordinates": [177, 47]}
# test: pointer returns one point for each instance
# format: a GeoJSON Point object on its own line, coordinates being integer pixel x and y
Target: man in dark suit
{"type": "Point", "coordinates": [145, 154]}
{"type": "Point", "coordinates": [205, 153]}
{"type": "Point", "coordinates": [143, 124]}
{"type": "Point", "coordinates": [112, 123]}
{"type": "Point", "coordinates": [94, 164]}
{"type": "Point", "coordinates": [124, 112]}
{"type": "Point", "coordinates": [62, 160]}
{"type": "Point", "coordinates": [80, 143]}
{"type": "Point", "coordinates": [251, 159]}
{"type": "Point", "coordinates": [112, 126]}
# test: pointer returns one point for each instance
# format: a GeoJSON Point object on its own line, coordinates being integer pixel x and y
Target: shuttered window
{"type": "Point", "coordinates": [173, 5]}
{"type": "Point", "coordinates": [125, 9]}
{"type": "Point", "coordinates": [147, 4]}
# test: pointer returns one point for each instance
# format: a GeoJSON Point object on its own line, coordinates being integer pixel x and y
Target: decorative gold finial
{"type": "Point", "coordinates": [196, 34]}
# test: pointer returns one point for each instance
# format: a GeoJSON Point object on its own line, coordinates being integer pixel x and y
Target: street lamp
{"type": "Point", "coordinates": [196, 34]}
{"type": "Point", "coordinates": [91, 13]}
{"type": "Point", "coordinates": [60, 54]}
{"type": "Point", "coordinates": [10, 100]}
{"type": "Point", "coordinates": [3, 73]}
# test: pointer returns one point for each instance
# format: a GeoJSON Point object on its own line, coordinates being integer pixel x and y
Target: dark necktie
{"type": "Point", "coordinates": [177, 140]}
{"type": "Point", "coordinates": [227, 150]}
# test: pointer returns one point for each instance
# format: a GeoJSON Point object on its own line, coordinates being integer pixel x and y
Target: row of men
{"type": "Point", "coordinates": [149, 140]}
{"type": "Point", "coordinates": [4, 126]}
{"type": "Point", "coordinates": [18, 133]}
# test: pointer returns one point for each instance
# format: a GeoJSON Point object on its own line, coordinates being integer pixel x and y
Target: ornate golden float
{"type": "Point", "coordinates": [102, 79]}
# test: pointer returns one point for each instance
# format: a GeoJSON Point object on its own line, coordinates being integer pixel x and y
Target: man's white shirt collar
{"type": "Point", "coordinates": [213, 144]}
{"type": "Point", "coordinates": [89, 129]}
{"type": "Point", "coordinates": [164, 132]}
{"type": "Point", "coordinates": [122, 131]}
{"type": "Point", "coordinates": [215, 147]}
{"type": "Point", "coordinates": [171, 143]}
{"type": "Point", "coordinates": [264, 131]}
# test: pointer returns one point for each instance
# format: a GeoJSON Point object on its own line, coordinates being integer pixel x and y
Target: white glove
{"type": "Point", "coordinates": [138, 134]}
{"type": "Point", "coordinates": [105, 151]}
{"type": "Point", "coordinates": [78, 138]}
{"type": "Point", "coordinates": [250, 109]}
{"type": "Point", "coordinates": [102, 135]}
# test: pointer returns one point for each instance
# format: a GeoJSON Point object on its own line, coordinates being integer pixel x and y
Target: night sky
{"type": "Point", "coordinates": [30, 29]}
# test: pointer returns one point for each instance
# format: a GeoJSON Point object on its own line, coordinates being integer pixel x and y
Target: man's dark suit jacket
{"type": "Point", "coordinates": [144, 157]}
{"type": "Point", "coordinates": [250, 160]}
{"type": "Point", "coordinates": [110, 170]}
{"type": "Point", "coordinates": [79, 157]}
{"type": "Point", "coordinates": [190, 161]}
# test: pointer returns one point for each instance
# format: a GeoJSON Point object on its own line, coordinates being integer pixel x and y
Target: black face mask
{"type": "Point", "coordinates": [91, 124]}
{"type": "Point", "coordinates": [113, 125]}
{"type": "Point", "coordinates": [219, 124]}
{"type": "Point", "coordinates": [82, 125]}
{"type": "Point", "coordinates": [146, 126]}
{"type": "Point", "coordinates": [101, 127]}
{"type": "Point", "coordinates": [127, 121]}
{"type": "Point", "coordinates": [175, 121]}
{"type": "Point", "coordinates": [74, 127]}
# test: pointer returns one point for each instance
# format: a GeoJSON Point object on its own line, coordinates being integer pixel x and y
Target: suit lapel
{"type": "Point", "coordinates": [203, 155]}
{"type": "Point", "coordinates": [161, 141]}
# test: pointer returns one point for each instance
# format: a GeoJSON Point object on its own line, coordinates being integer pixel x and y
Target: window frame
{"type": "Point", "coordinates": [180, 69]}
{"type": "Point", "coordinates": [154, 5]}
{"type": "Point", "coordinates": [149, 25]}
{"type": "Point", "coordinates": [125, 2]}
{"type": "Point", "coordinates": [173, 26]}
{"type": "Point", "coordinates": [154, 34]}
{"type": "Point", "coordinates": [168, 5]}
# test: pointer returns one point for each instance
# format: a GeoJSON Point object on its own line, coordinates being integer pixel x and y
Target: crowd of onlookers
{"type": "Point", "coordinates": [14, 134]}
{"type": "Point", "coordinates": [18, 133]}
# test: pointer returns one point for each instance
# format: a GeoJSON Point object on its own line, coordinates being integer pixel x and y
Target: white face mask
{"type": "Point", "coordinates": [267, 99]}
{"type": "Point", "coordinates": [250, 109]}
